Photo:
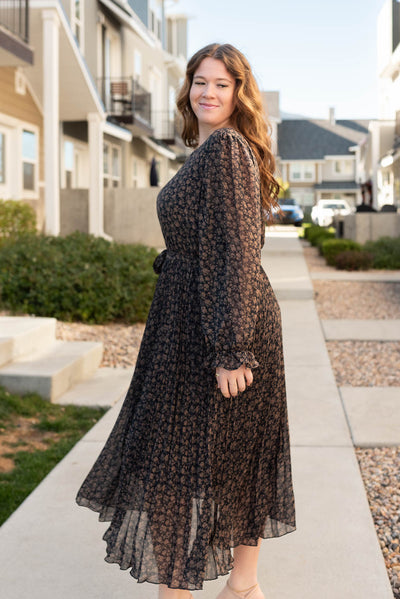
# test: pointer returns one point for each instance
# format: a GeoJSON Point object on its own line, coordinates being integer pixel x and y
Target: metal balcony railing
{"type": "Point", "coordinates": [167, 126]}
{"type": "Point", "coordinates": [14, 16]}
{"type": "Point", "coordinates": [125, 99]}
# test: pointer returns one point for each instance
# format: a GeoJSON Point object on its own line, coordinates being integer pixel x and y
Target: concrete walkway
{"type": "Point", "coordinates": [52, 549]}
{"type": "Point", "coordinates": [361, 330]}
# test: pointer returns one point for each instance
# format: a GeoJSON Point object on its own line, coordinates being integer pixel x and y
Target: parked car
{"type": "Point", "coordinates": [292, 213]}
{"type": "Point", "coordinates": [324, 210]}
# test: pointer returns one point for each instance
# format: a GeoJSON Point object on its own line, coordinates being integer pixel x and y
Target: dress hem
{"type": "Point", "coordinates": [83, 502]}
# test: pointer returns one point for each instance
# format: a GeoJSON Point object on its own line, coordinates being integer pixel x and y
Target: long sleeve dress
{"type": "Point", "coordinates": [186, 474]}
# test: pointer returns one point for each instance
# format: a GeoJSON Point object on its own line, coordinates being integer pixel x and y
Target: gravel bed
{"type": "Point", "coordinates": [365, 363]}
{"type": "Point", "coordinates": [380, 470]}
{"type": "Point", "coordinates": [120, 342]}
{"type": "Point", "coordinates": [357, 299]}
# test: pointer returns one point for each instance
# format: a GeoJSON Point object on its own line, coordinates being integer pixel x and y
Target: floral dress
{"type": "Point", "coordinates": [186, 474]}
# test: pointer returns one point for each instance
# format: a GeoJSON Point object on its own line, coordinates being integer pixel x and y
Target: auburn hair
{"type": "Point", "coordinates": [248, 116]}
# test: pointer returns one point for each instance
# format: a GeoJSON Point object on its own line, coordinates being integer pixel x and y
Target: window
{"type": "Point", "coordinates": [139, 172]}
{"type": "Point", "coordinates": [77, 21]}
{"type": "Point", "coordinates": [135, 178]}
{"type": "Point", "coordinates": [106, 161]}
{"type": "Point", "coordinates": [29, 160]}
{"type": "Point", "coordinates": [155, 20]}
{"type": "Point", "coordinates": [302, 171]}
{"type": "Point", "coordinates": [116, 176]}
{"type": "Point", "coordinates": [2, 158]}
{"type": "Point", "coordinates": [343, 167]}
{"type": "Point", "coordinates": [111, 165]}
{"type": "Point", "coordinates": [303, 196]}
{"type": "Point", "coordinates": [159, 29]}
{"type": "Point", "coordinates": [69, 163]}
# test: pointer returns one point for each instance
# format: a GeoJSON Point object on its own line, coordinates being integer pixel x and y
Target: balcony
{"type": "Point", "coordinates": [168, 127]}
{"type": "Point", "coordinates": [14, 33]}
{"type": "Point", "coordinates": [127, 102]}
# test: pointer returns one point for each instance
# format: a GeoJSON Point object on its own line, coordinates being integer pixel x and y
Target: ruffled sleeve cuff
{"type": "Point", "coordinates": [231, 360]}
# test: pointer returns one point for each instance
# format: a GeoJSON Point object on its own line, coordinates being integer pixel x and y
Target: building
{"type": "Point", "coordinates": [320, 158]}
{"type": "Point", "coordinates": [21, 120]}
{"type": "Point", "coordinates": [387, 134]}
{"type": "Point", "coordinates": [93, 113]}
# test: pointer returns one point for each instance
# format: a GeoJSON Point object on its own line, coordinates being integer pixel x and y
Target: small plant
{"type": "Point", "coordinates": [316, 234]}
{"type": "Point", "coordinates": [16, 218]}
{"type": "Point", "coordinates": [330, 248]}
{"type": "Point", "coordinates": [385, 252]}
{"type": "Point", "coordinates": [353, 260]}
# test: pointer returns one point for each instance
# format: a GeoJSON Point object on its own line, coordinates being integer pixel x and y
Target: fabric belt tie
{"type": "Point", "coordinates": [160, 259]}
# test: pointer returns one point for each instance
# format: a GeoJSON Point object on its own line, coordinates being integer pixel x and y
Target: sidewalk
{"type": "Point", "coordinates": [52, 549]}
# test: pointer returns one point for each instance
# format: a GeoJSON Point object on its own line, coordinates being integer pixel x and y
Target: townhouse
{"type": "Point", "coordinates": [319, 158]}
{"type": "Point", "coordinates": [87, 105]}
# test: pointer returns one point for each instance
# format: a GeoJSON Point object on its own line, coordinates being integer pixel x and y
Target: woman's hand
{"type": "Point", "coordinates": [232, 381]}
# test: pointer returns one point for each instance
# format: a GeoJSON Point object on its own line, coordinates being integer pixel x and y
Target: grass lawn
{"type": "Point", "coordinates": [34, 435]}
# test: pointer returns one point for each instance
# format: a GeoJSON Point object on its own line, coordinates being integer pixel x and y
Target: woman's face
{"type": "Point", "coordinates": [212, 94]}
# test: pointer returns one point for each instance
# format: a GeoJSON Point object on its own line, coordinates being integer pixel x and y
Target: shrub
{"type": "Point", "coordinates": [385, 252]}
{"type": "Point", "coordinates": [16, 218]}
{"type": "Point", "coordinates": [330, 248]}
{"type": "Point", "coordinates": [353, 260]}
{"type": "Point", "coordinates": [315, 233]}
{"type": "Point", "coordinates": [78, 277]}
{"type": "Point", "coordinates": [321, 239]}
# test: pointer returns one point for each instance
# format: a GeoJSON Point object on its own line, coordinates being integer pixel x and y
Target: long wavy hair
{"type": "Point", "coordinates": [248, 116]}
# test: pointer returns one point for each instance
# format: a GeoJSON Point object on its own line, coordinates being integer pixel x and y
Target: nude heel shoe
{"type": "Point", "coordinates": [229, 592]}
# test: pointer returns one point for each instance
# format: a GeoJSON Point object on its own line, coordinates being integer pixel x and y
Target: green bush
{"type": "Point", "coordinates": [77, 278]}
{"type": "Point", "coordinates": [385, 252]}
{"type": "Point", "coordinates": [303, 230]}
{"type": "Point", "coordinates": [330, 248]}
{"type": "Point", "coordinates": [353, 260]}
{"type": "Point", "coordinates": [16, 218]}
{"type": "Point", "coordinates": [308, 230]}
{"type": "Point", "coordinates": [314, 234]}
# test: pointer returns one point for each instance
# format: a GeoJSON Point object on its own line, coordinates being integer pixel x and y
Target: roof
{"type": "Point", "coordinates": [313, 139]}
{"type": "Point", "coordinates": [337, 185]}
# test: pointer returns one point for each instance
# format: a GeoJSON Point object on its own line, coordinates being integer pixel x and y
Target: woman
{"type": "Point", "coordinates": [198, 461]}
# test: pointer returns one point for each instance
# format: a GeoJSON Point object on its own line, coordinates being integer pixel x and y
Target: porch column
{"type": "Point", "coordinates": [51, 25]}
{"type": "Point", "coordinates": [96, 196]}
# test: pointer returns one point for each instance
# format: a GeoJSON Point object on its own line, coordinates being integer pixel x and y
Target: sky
{"type": "Point", "coordinates": [316, 53]}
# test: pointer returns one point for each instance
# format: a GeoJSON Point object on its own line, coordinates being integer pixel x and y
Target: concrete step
{"type": "Point", "coordinates": [361, 330]}
{"type": "Point", "coordinates": [373, 414]}
{"type": "Point", "coordinates": [23, 335]}
{"type": "Point", "coordinates": [104, 388]}
{"type": "Point", "coordinates": [6, 345]}
{"type": "Point", "coordinates": [51, 372]}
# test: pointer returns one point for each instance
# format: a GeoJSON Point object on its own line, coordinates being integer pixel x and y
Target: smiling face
{"type": "Point", "coordinates": [212, 96]}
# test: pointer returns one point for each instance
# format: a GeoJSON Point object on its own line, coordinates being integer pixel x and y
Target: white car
{"type": "Point", "coordinates": [323, 212]}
